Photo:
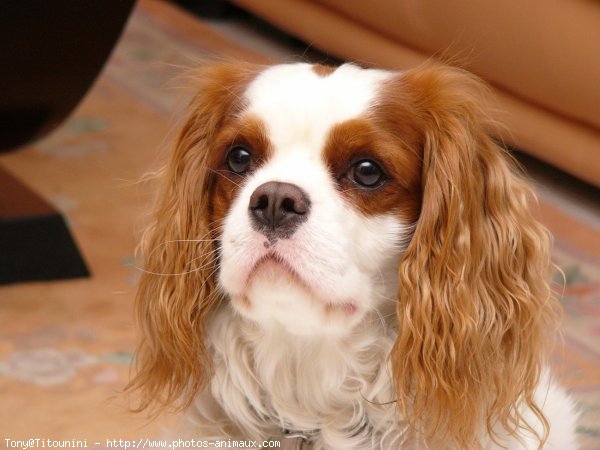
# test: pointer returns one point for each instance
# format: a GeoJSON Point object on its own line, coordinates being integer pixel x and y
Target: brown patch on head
{"type": "Point", "coordinates": [221, 92]}
{"type": "Point", "coordinates": [389, 137]}
{"type": "Point", "coordinates": [323, 70]}
{"type": "Point", "coordinates": [214, 126]}
{"type": "Point", "coordinates": [247, 131]}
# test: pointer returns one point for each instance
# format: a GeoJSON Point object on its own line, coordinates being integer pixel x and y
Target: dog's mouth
{"type": "Point", "coordinates": [273, 267]}
{"type": "Point", "coordinates": [269, 268]}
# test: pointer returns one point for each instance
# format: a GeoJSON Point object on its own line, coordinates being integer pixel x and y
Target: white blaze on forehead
{"type": "Point", "coordinates": [299, 107]}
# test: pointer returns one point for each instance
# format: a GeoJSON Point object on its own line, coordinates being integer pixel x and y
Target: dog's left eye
{"type": "Point", "coordinates": [239, 159]}
{"type": "Point", "coordinates": [367, 173]}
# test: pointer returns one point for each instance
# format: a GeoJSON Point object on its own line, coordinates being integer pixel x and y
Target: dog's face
{"type": "Point", "coordinates": [316, 199]}
{"type": "Point", "coordinates": [304, 197]}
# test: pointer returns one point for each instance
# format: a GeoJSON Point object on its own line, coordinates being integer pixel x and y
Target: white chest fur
{"type": "Point", "coordinates": [268, 380]}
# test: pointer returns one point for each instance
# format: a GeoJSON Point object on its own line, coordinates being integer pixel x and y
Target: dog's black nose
{"type": "Point", "coordinates": [277, 209]}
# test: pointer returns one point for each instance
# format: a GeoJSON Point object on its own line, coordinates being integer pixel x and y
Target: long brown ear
{"type": "Point", "coordinates": [474, 301]}
{"type": "Point", "coordinates": [177, 287]}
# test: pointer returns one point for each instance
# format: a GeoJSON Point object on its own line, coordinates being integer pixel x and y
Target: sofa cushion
{"type": "Point", "coordinates": [546, 51]}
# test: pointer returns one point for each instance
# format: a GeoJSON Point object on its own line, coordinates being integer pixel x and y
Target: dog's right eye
{"type": "Point", "coordinates": [239, 159]}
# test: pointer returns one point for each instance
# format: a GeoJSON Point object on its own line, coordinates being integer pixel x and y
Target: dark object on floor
{"type": "Point", "coordinates": [52, 51]}
{"type": "Point", "coordinates": [213, 9]}
{"type": "Point", "coordinates": [35, 243]}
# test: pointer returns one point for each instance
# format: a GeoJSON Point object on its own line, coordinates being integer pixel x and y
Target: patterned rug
{"type": "Point", "coordinates": [66, 347]}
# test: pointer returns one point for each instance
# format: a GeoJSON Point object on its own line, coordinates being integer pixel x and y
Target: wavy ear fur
{"type": "Point", "coordinates": [474, 301]}
{"type": "Point", "coordinates": [177, 289]}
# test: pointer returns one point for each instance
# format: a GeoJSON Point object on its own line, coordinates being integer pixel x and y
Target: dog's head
{"type": "Point", "coordinates": [306, 196]}
{"type": "Point", "coordinates": [316, 195]}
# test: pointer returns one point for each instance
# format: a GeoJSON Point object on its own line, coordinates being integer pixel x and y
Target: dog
{"type": "Point", "coordinates": [347, 258]}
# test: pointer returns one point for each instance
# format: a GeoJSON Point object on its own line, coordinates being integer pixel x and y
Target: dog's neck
{"type": "Point", "coordinates": [269, 379]}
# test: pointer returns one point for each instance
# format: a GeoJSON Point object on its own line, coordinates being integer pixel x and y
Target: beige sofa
{"type": "Point", "coordinates": [542, 58]}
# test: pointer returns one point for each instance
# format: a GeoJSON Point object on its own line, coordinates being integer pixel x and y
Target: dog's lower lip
{"type": "Point", "coordinates": [346, 308]}
{"type": "Point", "coordinates": [271, 259]}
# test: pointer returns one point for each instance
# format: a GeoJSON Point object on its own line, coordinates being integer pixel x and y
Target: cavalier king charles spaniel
{"type": "Point", "coordinates": [345, 258]}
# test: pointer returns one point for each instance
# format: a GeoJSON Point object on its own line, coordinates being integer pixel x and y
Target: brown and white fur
{"type": "Point", "coordinates": [347, 253]}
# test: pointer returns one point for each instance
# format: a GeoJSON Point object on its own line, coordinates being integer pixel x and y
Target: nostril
{"type": "Point", "coordinates": [263, 202]}
{"type": "Point", "coordinates": [295, 205]}
{"type": "Point", "coordinates": [289, 205]}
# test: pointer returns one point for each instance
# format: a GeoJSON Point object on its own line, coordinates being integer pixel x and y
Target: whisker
{"type": "Point", "coordinates": [209, 257]}
{"type": "Point", "coordinates": [221, 173]}
{"type": "Point", "coordinates": [187, 272]}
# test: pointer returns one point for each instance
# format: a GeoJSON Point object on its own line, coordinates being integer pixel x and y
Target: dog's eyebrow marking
{"type": "Point", "coordinates": [323, 70]}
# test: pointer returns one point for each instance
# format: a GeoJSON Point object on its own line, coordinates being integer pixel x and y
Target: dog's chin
{"type": "Point", "coordinates": [277, 297]}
